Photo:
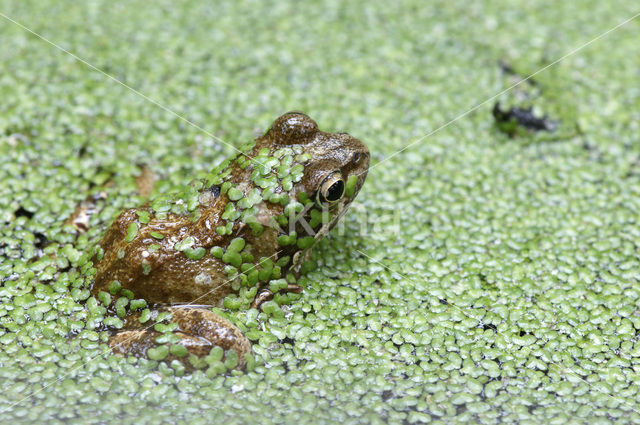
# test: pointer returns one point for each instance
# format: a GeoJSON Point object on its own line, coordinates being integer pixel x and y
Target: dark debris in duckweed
{"type": "Point", "coordinates": [509, 119]}
{"type": "Point", "coordinates": [481, 279]}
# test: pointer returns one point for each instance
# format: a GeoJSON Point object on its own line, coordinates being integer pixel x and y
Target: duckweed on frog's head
{"type": "Point", "coordinates": [334, 170]}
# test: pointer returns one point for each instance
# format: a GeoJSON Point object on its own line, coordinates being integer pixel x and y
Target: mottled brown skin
{"type": "Point", "coordinates": [174, 279]}
{"type": "Point", "coordinates": [200, 330]}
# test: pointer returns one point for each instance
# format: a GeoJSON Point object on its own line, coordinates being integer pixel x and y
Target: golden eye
{"type": "Point", "coordinates": [332, 189]}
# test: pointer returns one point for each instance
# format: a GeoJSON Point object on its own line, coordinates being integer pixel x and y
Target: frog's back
{"type": "Point", "coordinates": [153, 269]}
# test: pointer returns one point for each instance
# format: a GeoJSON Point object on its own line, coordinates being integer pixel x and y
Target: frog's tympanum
{"type": "Point", "coordinates": [232, 240]}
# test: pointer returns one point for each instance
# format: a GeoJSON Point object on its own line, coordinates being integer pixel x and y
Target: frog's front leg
{"type": "Point", "coordinates": [197, 331]}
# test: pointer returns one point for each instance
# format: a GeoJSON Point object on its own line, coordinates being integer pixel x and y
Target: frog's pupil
{"type": "Point", "coordinates": [215, 190]}
{"type": "Point", "coordinates": [335, 191]}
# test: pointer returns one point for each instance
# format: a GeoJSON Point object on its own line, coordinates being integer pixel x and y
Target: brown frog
{"type": "Point", "coordinates": [232, 240]}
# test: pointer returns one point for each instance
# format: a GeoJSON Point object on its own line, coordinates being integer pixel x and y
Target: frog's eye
{"type": "Point", "coordinates": [332, 189]}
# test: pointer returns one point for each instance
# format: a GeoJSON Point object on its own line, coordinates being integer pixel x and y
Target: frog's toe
{"type": "Point", "coordinates": [199, 330]}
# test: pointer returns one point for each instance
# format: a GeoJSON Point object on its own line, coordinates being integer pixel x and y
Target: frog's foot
{"type": "Point", "coordinates": [267, 294]}
{"type": "Point", "coordinates": [198, 331]}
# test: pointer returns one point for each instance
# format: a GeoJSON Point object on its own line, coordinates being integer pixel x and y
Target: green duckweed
{"type": "Point", "coordinates": [481, 276]}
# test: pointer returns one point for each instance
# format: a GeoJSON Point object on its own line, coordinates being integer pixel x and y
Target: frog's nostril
{"type": "Point", "coordinates": [360, 157]}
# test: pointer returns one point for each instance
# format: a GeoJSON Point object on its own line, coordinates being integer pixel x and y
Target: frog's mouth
{"type": "Point", "coordinates": [342, 208]}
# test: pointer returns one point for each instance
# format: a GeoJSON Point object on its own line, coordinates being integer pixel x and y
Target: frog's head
{"type": "Point", "coordinates": [334, 171]}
